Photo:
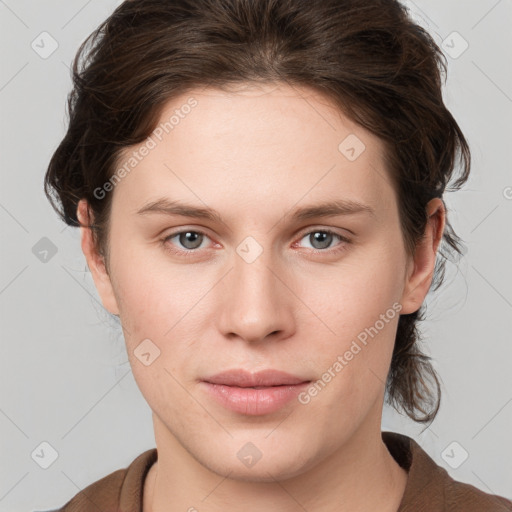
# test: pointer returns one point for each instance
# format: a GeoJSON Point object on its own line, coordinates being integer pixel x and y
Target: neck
{"type": "Point", "coordinates": [361, 475]}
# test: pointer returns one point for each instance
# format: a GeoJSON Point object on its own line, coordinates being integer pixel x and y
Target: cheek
{"type": "Point", "coordinates": [162, 309]}
{"type": "Point", "coordinates": [360, 305]}
{"type": "Point", "coordinates": [154, 295]}
{"type": "Point", "coordinates": [355, 294]}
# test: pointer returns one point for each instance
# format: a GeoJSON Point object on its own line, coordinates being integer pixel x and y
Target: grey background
{"type": "Point", "coordinates": [64, 374]}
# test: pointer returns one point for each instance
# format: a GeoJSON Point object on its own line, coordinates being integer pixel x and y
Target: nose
{"type": "Point", "coordinates": [257, 303]}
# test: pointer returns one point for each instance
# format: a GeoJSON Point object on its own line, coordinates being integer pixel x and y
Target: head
{"type": "Point", "coordinates": [255, 110]}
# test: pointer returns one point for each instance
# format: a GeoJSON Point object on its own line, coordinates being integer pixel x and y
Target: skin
{"type": "Point", "coordinates": [254, 154]}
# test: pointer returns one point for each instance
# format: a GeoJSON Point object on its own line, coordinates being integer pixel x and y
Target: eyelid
{"type": "Point", "coordinates": [329, 229]}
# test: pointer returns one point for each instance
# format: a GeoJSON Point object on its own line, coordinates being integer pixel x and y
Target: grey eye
{"type": "Point", "coordinates": [188, 239]}
{"type": "Point", "coordinates": [321, 239]}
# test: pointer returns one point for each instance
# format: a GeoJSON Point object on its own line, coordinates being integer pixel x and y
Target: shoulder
{"type": "Point", "coordinates": [120, 490]}
{"type": "Point", "coordinates": [461, 496]}
{"type": "Point", "coordinates": [430, 487]}
{"type": "Point", "coordinates": [103, 493]}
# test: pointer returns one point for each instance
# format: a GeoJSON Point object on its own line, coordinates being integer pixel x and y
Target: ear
{"type": "Point", "coordinates": [420, 268]}
{"type": "Point", "coordinates": [95, 261]}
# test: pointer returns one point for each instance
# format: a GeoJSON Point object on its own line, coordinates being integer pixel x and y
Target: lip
{"type": "Point", "coordinates": [264, 378]}
{"type": "Point", "coordinates": [254, 394]}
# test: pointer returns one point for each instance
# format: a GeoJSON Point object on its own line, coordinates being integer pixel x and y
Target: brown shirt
{"type": "Point", "coordinates": [429, 487]}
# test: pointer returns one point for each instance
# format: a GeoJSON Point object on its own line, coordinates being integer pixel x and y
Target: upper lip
{"type": "Point", "coordinates": [244, 379]}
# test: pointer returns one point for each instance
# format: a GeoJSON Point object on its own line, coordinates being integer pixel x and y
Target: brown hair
{"type": "Point", "coordinates": [381, 69]}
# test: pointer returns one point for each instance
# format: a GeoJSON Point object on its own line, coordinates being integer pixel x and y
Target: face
{"type": "Point", "coordinates": [257, 286]}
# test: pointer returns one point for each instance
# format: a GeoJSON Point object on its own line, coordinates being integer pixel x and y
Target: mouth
{"type": "Point", "coordinates": [253, 394]}
{"type": "Point", "coordinates": [262, 379]}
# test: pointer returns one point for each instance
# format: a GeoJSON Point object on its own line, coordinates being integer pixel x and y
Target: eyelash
{"type": "Point", "coordinates": [191, 252]}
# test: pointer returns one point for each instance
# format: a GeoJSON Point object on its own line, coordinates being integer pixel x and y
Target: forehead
{"type": "Point", "coordinates": [253, 144]}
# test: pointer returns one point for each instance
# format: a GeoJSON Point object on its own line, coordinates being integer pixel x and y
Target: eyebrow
{"type": "Point", "coordinates": [326, 209]}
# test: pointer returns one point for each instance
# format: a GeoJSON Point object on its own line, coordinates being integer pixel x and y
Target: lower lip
{"type": "Point", "coordinates": [252, 401]}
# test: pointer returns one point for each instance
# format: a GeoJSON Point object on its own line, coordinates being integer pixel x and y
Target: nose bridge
{"type": "Point", "coordinates": [255, 304]}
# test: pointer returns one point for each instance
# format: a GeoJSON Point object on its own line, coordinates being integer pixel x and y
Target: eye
{"type": "Point", "coordinates": [321, 239]}
{"type": "Point", "coordinates": [189, 239]}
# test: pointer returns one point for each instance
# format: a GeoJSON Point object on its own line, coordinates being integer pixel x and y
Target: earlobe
{"type": "Point", "coordinates": [420, 270]}
{"type": "Point", "coordinates": [95, 261]}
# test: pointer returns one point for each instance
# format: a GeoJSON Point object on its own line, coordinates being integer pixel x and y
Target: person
{"type": "Point", "coordinates": [259, 190]}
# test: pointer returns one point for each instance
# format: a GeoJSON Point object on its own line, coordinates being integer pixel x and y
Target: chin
{"type": "Point", "coordinates": [275, 466]}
